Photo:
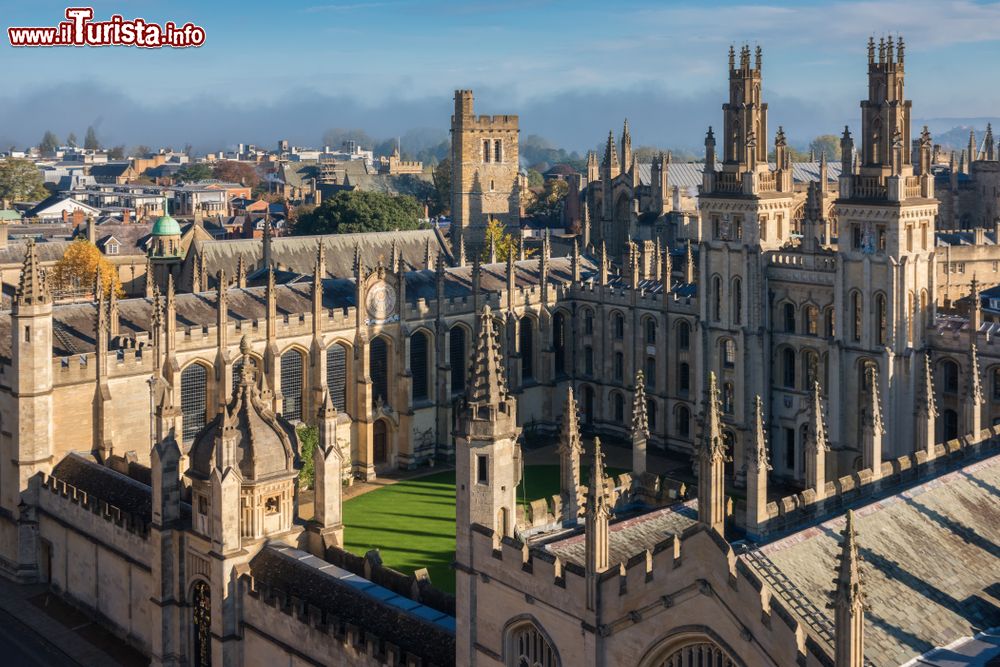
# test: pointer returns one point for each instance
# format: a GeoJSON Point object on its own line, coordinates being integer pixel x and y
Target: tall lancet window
{"type": "Point", "coordinates": [291, 385]}
{"type": "Point", "coordinates": [378, 359]}
{"type": "Point", "coordinates": [193, 398]}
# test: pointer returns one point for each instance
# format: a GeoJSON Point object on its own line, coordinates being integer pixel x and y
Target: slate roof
{"type": "Point", "coordinates": [48, 252]}
{"type": "Point", "coordinates": [688, 175]}
{"type": "Point", "coordinates": [298, 253]}
{"type": "Point", "coordinates": [931, 563]}
{"type": "Point", "coordinates": [419, 186]}
{"type": "Point", "coordinates": [633, 535]}
{"type": "Point", "coordinates": [102, 482]}
{"type": "Point", "coordinates": [408, 624]}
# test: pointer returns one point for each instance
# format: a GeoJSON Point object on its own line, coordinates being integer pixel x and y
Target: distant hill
{"type": "Point", "coordinates": [953, 133]}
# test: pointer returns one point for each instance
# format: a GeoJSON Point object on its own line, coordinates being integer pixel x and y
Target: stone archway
{"type": "Point", "coordinates": [695, 647]}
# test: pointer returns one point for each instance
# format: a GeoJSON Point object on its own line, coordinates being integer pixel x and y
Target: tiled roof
{"type": "Point", "coordinates": [931, 562]}
{"type": "Point", "coordinates": [410, 625]}
{"type": "Point", "coordinates": [102, 482]}
{"type": "Point", "coordinates": [633, 535]}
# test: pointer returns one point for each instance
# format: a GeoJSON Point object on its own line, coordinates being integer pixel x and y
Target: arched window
{"type": "Point", "coordinates": [618, 326]}
{"type": "Point", "coordinates": [651, 414]}
{"type": "Point", "coordinates": [911, 316]}
{"type": "Point", "coordinates": [788, 367]}
{"type": "Point", "coordinates": [996, 384]}
{"type": "Point", "coordinates": [619, 405]}
{"type": "Point", "coordinates": [619, 366]}
{"type": "Point", "coordinates": [378, 360]}
{"type": "Point", "coordinates": [950, 372]}
{"type": "Point", "coordinates": [693, 652]}
{"type": "Point", "coordinates": [881, 325]}
{"type": "Point", "coordinates": [291, 385]}
{"type": "Point", "coordinates": [588, 360]}
{"type": "Point", "coordinates": [457, 358]}
{"type": "Point", "coordinates": [950, 424]}
{"type": "Point", "coordinates": [788, 316]}
{"type": "Point", "coordinates": [588, 322]}
{"type": "Point", "coordinates": [812, 320]}
{"type": "Point", "coordinates": [497, 150]}
{"type": "Point", "coordinates": [486, 150]}
{"type": "Point", "coordinates": [856, 310]}
{"type": "Point", "coordinates": [810, 369]}
{"type": "Point", "coordinates": [201, 620]}
{"type": "Point", "coordinates": [727, 398]}
{"type": "Point", "coordinates": [683, 422]}
{"type": "Point", "coordinates": [194, 406]}
{"type": "Point", "coordinates": [683, 336]}
{"type": "Point", "coordinates": [527, 647]}
{"type": "Point", "coordinates": [829, 322]}
{"type": "Point", "coordinates": [527, 349]}
{"type": "Point", "coordinates": [650, 331]}
{"type": "Point", "coordinates": [728, 353]}
{"type": "Point", "coordinates": [336, 375]}
{"type": "Point", "coordinates": [419, 365]}
{"type": "Point", "coordinates": [650, 373]}
{"type": "Point", "coordinates": [737, 301]}
{"type": "Point", "coordinates": [716, 298]}
{"type": "Point", "coordinates": [559, 342]}
{"type": "Point", "coordinates": [683, 378]}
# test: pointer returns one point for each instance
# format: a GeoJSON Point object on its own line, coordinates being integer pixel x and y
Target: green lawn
{"type": "Point", "coordinates": [412, 523]}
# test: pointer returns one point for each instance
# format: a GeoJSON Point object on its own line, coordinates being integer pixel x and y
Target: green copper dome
{"type": "Point", "coordinates": [165, 225]}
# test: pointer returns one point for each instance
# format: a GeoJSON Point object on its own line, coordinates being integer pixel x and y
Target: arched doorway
{"type": "Point", "coordinates": [201, 619]}
{"type": "Point", "coordinates": [380, 443]}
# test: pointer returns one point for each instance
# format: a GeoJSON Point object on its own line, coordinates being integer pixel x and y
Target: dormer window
{"type": "Point", "coordinates": [111, 248]}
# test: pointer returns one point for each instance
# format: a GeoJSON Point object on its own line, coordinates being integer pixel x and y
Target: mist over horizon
{"type": "Point", "coordinates": [576, 121]}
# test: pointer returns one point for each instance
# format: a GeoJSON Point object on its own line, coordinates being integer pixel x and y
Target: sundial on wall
{"type": "Point", "coordinates": [381, 303]}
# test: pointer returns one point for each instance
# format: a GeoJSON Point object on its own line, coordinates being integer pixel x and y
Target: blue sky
{"type": "Point", "coordinates": [570, 69]}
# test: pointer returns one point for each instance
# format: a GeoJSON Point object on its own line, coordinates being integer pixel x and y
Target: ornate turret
{"type": "Point", "coordinates": [32, 289]}
{"type": "Point", "coordinates": [816, 446]}
{"type": "Point", "coordinates": [640, 426]}
{"type": "Point", "coordinates": [598, 512]}
{"type": "Point", "coordinates": [570, 449]}
{"type": "Point", "coordinates": [711, 457]}
{"type": "Point", "coordinates": [848, 602]}
{"type": "Point", "coordinates": [872, 431]}
{"type": "Point", "coordinates": [757, 465]}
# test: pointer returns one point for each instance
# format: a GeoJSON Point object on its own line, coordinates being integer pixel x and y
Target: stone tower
{"type": "Point", "coordinates": [885, 281]}
{"type": "Point", "coordinates": [484, 173]}
{"type": "Point", "coordinates": [31, 428]}
{"type": "Point", "coordinates": [486, 471]}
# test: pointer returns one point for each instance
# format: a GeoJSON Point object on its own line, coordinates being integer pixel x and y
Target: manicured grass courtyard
{"type": "Point", "coordinates": [412, 523]}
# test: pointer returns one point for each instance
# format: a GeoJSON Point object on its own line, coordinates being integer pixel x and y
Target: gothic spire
{"type": "Point", "coordinates": [816, 445]}
{"type": "Point", "coordinates": [872, 430]}
{"type": "Point", "coordinates": [241, 272]}
{"type": "Point", "coordinates": [487, 386]}
{"type": "Point", "coordinates": [640, 426]}
{"type": "Point", "coordinates": [711, 457]}
{"type": "Point", "coordinates": [596, 538]}
{"type": "Point", "coordinates": [689, 269]}
{"type": "Point", "coordinates": [570, 448]}
{"type": "Point", "coordinates": [31, 287]}
{"type": "Point", "coordinates": [848, 601]}
{"type": "Point", "coordinates": [626, 146]}
{"type": "Point", "coordinates": [758, 460]}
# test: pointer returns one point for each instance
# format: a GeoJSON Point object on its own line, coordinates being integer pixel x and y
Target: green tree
{"type": "Point", "coordinates": [535, 179]}
{"type": "Point", "coordinates": [827, 143]}
{"type": "Point", "coordinates": [308, 439]}
{"type": "Point", "coordinates": [71, 139]}
{"type": "Point", "coordinates": [49, 143]}
{"type": "Point", "coordinates": [505, 243]}
{"type": "Point", "coordinates": [20, 180]}
{"type": "Point", "coordinates": [90, 141]}
{"type": "Point", "coordinates": [361, 211]}
{"type": "Point", "coordinates": [442, 184]}
{"type": "Point", "coordinates": [549, 204]}
{"type": "Point", "coordinates": [194, 171]}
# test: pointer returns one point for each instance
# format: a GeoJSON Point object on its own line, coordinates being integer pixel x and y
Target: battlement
{"type": "Point", "coordinates": [796, 510]}
{"type": "Point", "coordinates": [127, 521]}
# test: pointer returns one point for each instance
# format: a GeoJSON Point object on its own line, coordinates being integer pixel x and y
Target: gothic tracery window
{"type": "Point", "coordinates": [527, 647]}
{"type": "Point", "coordinates": [193, 399]}
{"type": "Point", "coordinates": [201, 605]}
{"type": "Point", "coordinates": [698, 654]}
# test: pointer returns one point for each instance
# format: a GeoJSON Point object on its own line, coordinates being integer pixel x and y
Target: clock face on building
{"type": "Point", "coordinates": [381, 302]}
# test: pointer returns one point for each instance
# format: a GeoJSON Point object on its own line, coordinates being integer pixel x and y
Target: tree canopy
{"type": "Point", "coordinates": [825, 143]}
{"type": "Point", "coordinates": [194, 171]}
{"type": "Point", "coordinates": [90, 141]}
{"type": "Point", "coordinates": [77, 268]}
{"type": "Point", "coordinates": [549, 204]}
{"type": "Point", "coordinates": [361, 211]}
{"type": "Point", "coordinates": [20, 180]}
{"type": "Point", "coordinates": [232, 171]}
{"type": "Point", "coordinates": [503, 241]}
{"type": "Point", "coordinates": [442, 185]}
{"type": "Point", "coordinates": [49, 142]}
